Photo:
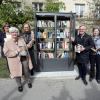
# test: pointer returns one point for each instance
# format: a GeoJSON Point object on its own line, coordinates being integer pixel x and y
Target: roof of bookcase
{"type": "Point", "coordinates": [50, 16]}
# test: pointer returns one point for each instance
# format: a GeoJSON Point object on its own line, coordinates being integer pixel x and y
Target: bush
{"type": "Point", "coordinates": [4, 73]}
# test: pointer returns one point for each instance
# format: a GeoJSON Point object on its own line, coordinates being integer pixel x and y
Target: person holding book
{"type": "Point", "coordinates": [95, 56]}
{"type": "Point", "coordinates": [83, 43]}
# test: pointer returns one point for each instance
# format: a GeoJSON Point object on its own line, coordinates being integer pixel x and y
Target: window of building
{"type": "Point", "coordinates": [37, 6]}
{"type": "Point", "coordinates": [97, 11]}
{"type": "Point", "coordinates": [79, 10]}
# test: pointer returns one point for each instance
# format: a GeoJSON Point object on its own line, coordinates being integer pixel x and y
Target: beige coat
{"type": "Point", "coordinates": [11, 52]}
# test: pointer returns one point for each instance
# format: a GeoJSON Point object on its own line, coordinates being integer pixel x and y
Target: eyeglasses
{"type": "Point", "coordinates": [6, 26]}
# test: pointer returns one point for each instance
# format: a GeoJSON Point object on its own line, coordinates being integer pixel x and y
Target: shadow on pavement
{"type": "Point", "coordinates": [93, 93]}
{"type": "Point", "coordinates": [15, 95]}
{"type": "Point", "coordinates": [64, 95]}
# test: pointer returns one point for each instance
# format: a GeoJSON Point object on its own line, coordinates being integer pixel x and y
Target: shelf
{"type": "Point", "coordinates": [62, 50]}
{"type": "Point", "coordinates": [46, 49]}
{"type": "Point", "coordinates": [47, 27]}
{"type": "Point", "coordinates": [61, 27]}
{"type": "Point", "coordinates": [62, 39]}
{"type": "Point", "coordinates": [45, 39]}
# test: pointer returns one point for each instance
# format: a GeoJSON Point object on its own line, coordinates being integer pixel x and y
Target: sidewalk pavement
{"type": "Point", "coordinates": [60, 88]}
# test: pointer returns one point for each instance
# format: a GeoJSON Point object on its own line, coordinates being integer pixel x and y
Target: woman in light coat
{"type": "Point", "coordinates": [19, 62]}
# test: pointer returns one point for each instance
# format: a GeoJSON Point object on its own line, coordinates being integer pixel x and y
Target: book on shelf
{"type": "Point", "coordinates": [45, 55]}
{"type": "Point", "coordinates": [46, 45]}
{"type": "Point", "coordinates": [44, 34]}
{"type": "Point", "coordinates": [50, 34]}
{"type": "Point", "coordinates": [61, 23]}
{"type": "Point", "coordinates": [46, 23]}
{"type": "Point", "coordinates": [63, 45]}
{"type": "Point", "coordinates": [38, 35]}
{"type": "Point", "coordinates": [62, 33]}
{"type": "Point", "coordinates": [63, 54]}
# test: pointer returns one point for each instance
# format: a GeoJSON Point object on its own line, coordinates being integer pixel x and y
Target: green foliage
{"type": "Point", "coordinates": [4, 73]}
{"type": "Point", "coordinates": [9, 13]}
{"type": "Point", "coordinates": [53, 5]}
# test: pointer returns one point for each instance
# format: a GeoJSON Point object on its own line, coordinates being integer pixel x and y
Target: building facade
{"type": "Point", "coordinates": [82, 8]}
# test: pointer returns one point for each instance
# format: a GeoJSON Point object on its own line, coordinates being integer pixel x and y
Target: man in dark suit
{"type": "Point", "coordinates": [83, 43]}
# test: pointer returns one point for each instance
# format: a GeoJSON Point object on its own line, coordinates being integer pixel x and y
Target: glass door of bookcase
{"type": "Point", "coordinates": [65, 28]}
{"type": "Point", "coordinates": [45, 37]}
{"type": "Point", "coordinates": [62, 36]}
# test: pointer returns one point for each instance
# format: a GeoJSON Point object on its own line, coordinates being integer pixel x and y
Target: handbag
{"type": "Point", "coordinates": [23, 48]}
{"type": "Point", "coordinates": [23, 52]}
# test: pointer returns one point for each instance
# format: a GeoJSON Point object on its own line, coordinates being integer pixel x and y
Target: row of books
{"type": "Point", "coordinates": [52, 35]}
{"type": "Point", "coordinates": [44, 55]}
{"type": "Point", "coordinates": [63, 45]}
{"type": "Point", "coordinates": [46, 45]}
{"type": "Point", "coordinates": [45, 35]}
{"type": "Point", "coordinates": [50, 45]}
{"type": "Point", "coordinates": [49, 23]}
{"type": "Point", "coordinates": [46, 23]}
{"type": "Point", "coordinates": [63, 23]}
{"type": "Point", "coordinates": [63, 55]}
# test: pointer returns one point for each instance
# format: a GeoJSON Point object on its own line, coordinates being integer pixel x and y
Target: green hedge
{"type": "Point", "coordinates": [4, 73]}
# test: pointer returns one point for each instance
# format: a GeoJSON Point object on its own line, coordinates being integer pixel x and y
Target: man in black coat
{"type": "Point", "coordinates": [83, 43]}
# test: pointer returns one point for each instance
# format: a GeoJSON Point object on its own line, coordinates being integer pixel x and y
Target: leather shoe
{"type": "Point", "coordinates": [85, 82]}
{"type": "Point", "coordinates": [30, 85]}
{"type": "Point", "coordinates": [77, 78]}
{"type": "Point", "coordinates": [20, 88]}
{"type": "Point", "coordinates": [98, 81]}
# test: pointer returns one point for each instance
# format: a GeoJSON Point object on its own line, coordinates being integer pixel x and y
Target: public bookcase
{"type": "Point", "coordinates": [52, 34]}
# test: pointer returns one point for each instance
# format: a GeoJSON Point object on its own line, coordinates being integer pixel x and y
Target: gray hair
{"type": "Point", "coordinates": [13, 29]}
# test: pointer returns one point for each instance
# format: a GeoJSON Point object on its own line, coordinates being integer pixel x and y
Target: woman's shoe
{"type": "Point", "coordinates": [77, 78]}
{"type": "Point", "coordinates": [85, 82]}
{"type": "Point", "coordinates": [20, 88]}
{"type": "Point", "coordinates": [30, 85]}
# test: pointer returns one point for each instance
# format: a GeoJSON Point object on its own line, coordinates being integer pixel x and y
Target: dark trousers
{"type": "Point", "coordinates": [98, 67]}
{"type": "Point", "coordinates": [92, 65]}
{"type": "Point", "coordinates": [33, 59]}
{"type": "Point", "coordinates": [1, 52]}
{"type": "Point", "coordinates": [82, 67]}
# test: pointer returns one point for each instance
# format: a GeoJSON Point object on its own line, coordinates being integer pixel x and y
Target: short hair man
{"type": "Point", "coordinates": [83, 43]}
